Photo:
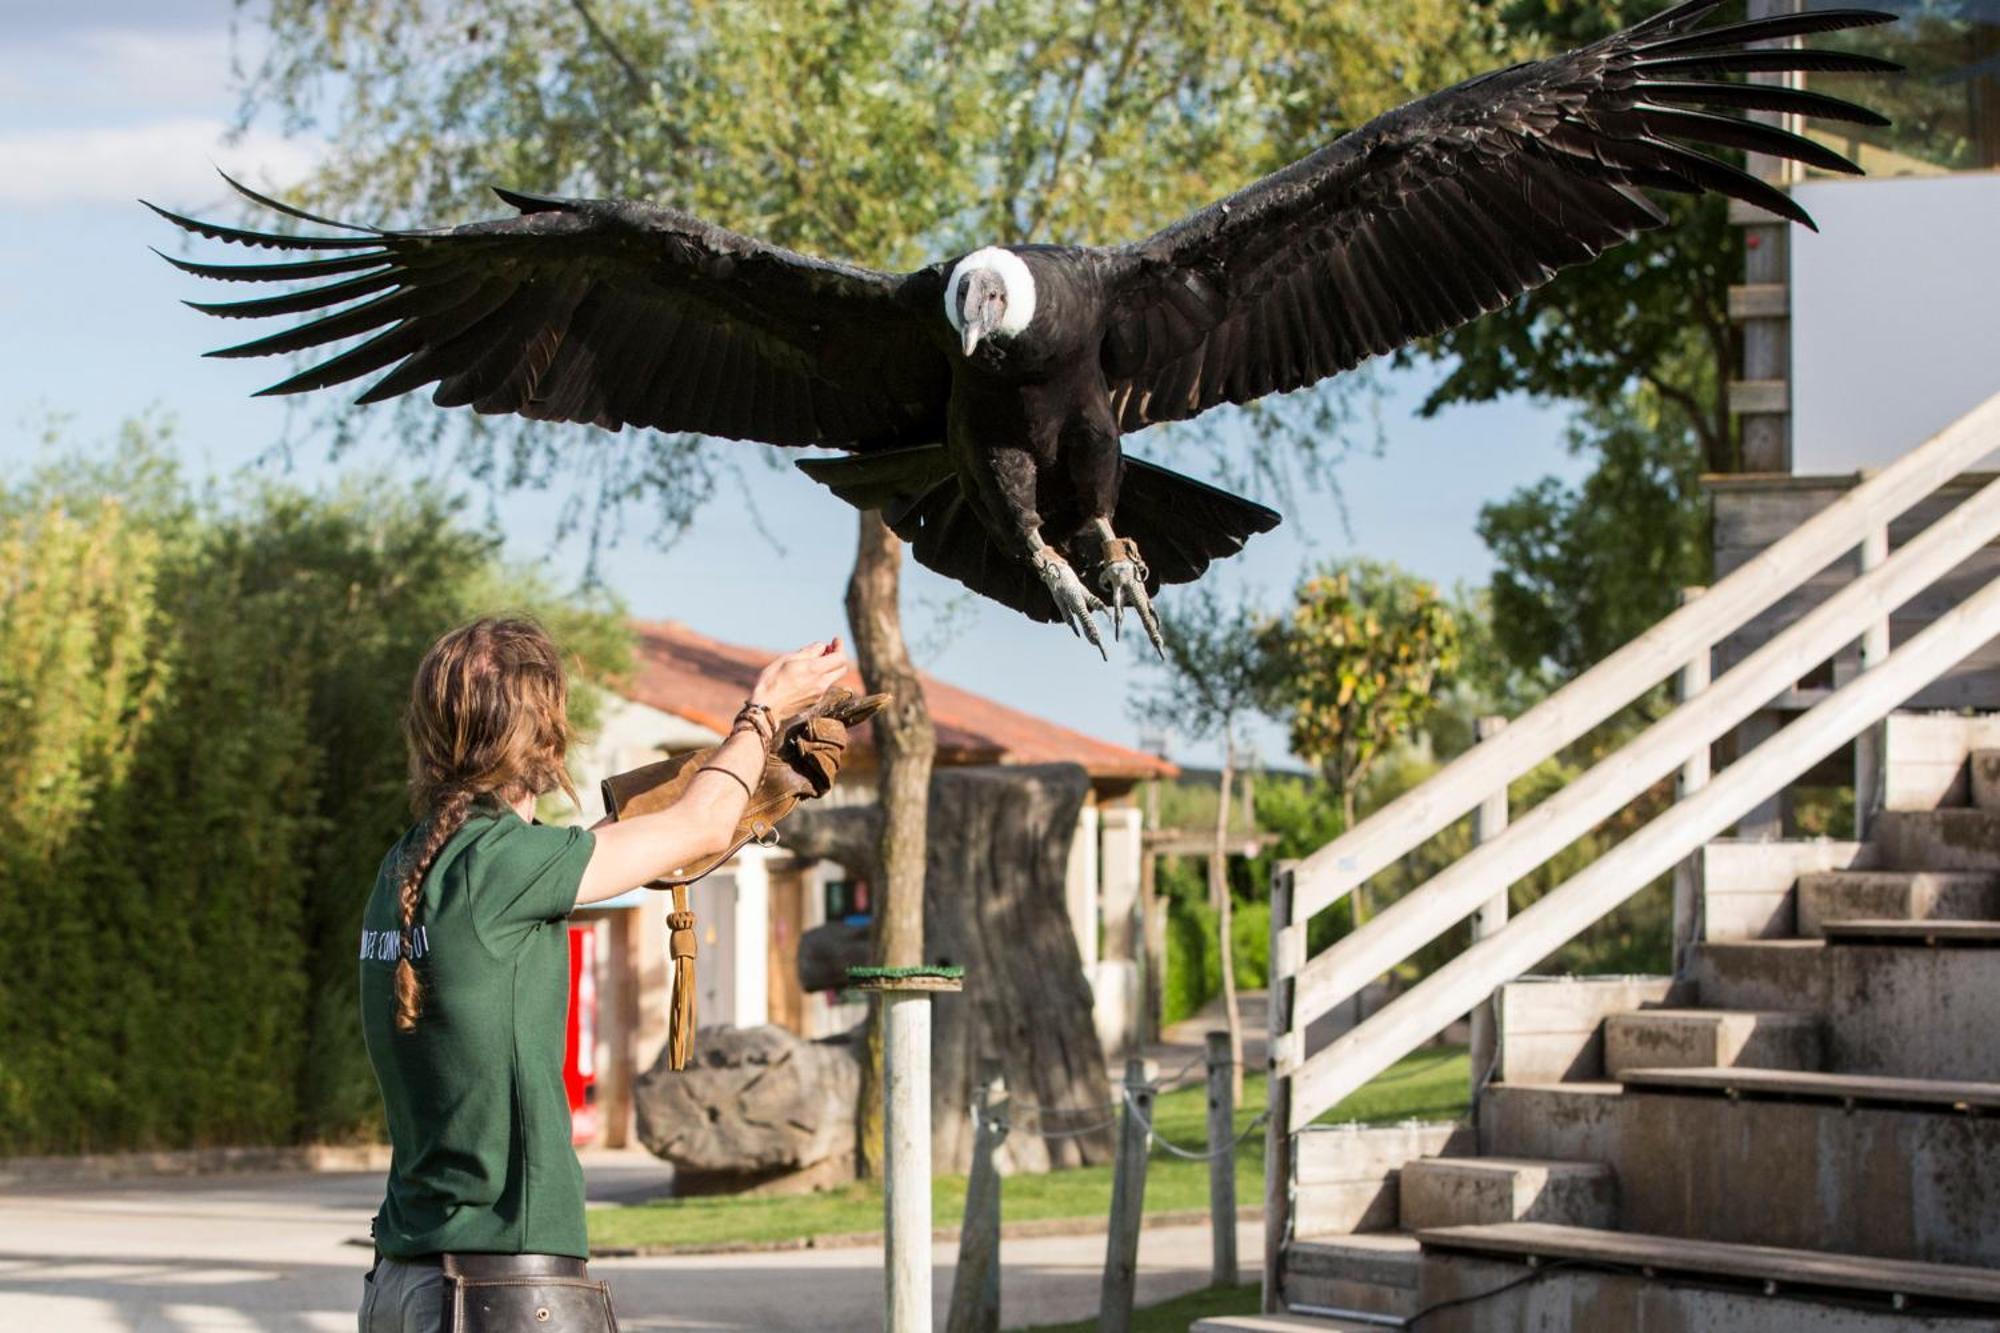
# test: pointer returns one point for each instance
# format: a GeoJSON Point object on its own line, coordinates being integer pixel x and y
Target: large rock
{"type": "Point", "coordinates": [995, 869]}
{"type": "Point", "coordinates": [757, 1109]}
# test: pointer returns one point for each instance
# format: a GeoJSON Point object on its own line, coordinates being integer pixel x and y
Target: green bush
{"type": "Point", "coordinates": [200, 769]}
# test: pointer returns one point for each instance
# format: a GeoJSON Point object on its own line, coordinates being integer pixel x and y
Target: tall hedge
{"type": "Point", "coordinates": [200, 769]}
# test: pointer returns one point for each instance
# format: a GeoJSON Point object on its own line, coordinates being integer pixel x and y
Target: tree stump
{"type": "Point", "coordinates": [758, 1110]}
{"type": "Point", "coordinates": [997, 862]}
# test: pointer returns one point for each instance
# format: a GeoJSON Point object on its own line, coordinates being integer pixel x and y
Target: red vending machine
{"type": "Point", "coordinates": [580, 1049]}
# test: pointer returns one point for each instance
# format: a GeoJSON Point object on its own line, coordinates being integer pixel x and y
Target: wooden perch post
{"type": "Point", "coordinates": [906, 1020]}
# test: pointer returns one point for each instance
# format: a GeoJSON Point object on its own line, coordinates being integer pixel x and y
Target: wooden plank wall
{"type": "Point", "coordinates": [1752, 511]}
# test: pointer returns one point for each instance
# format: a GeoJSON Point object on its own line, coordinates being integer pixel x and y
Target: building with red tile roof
{"type": "Point", "coordinates": [703, 680]}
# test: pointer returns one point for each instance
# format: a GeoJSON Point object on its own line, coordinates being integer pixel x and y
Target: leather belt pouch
{"type": "Point", "coordinates": [489, 1294]}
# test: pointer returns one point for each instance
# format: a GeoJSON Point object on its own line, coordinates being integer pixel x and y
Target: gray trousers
{"type": "Point", "coordinates": [403, 1298]}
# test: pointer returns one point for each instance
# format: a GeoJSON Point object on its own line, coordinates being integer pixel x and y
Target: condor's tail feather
{"type": "Point", "coordinates": [1181, 525]}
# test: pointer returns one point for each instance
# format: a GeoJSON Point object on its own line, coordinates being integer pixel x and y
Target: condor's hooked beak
{"type": "Point", "coordinates": [984, 305]}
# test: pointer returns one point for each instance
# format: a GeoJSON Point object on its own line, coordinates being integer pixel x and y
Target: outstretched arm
{"type": "Point", "coordinates": [635, 851]}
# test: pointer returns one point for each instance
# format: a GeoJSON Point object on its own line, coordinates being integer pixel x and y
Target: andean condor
{"type": "Point", "coordinates": [982, 399]}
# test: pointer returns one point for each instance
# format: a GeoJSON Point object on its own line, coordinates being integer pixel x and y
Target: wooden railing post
{"type": "Point", "coordinates": [1869, 778]}
{"type": "Point", "coordinates": [975, 1288]}
{"type": "Point", "coordinates": [1287, 953]}
{"type": "Point", "coordinates": [1690, 681]}
{"type": "Point", "coordinates": [1128, 1202]}
{"type": "Point", "coordinates": [1489, 821]}
{"type": "Point", "coordinates": [1221, 1161]}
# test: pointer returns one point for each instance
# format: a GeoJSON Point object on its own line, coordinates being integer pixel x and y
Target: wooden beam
{"type": "Point", "coordinates": [1759, 397]}
{"type": "Point", "coordinates": [1327, 876]}
{"type": "Point", "coordinates": [1460, 889]}
{"type": "Point", "coordinates": [1366, 1051]}
{"type": "Point", "coordinates": [1760, 300]}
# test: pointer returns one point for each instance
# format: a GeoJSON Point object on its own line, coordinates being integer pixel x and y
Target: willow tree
{"type": "Point", "coordinates": [888, 134]}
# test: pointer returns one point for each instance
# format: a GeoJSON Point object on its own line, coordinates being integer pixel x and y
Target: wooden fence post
{"type": "Point", "coordinates": [1690, 681]}
{"type": "Point", "coordinates": [1221, 1161]}
{"type": "Point", "coordinates": [975, 1288]}
{"type": "Point", "coordinates": [1287, 953]}
{"type": "Point", "coordinates": [1128, 1201]}
{"type": "Point", "coordinates": [1489, 821]}
{"type": "Point", "coordinates": [1869, 761]}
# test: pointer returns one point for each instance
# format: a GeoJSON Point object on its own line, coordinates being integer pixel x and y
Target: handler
{"type": "Point", "coordinates": [464, 976]}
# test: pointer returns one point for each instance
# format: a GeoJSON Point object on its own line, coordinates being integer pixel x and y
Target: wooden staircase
{"type": "Point", "coordinates": [1800, 1129]}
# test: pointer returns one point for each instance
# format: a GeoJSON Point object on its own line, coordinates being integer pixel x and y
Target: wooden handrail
{"type": "Point", "coordinates": [1365, 1051]}
{"type": "Point", "coordinates": [1334, 870]}
{"type": "Point", "coordinates": [1460, 889]}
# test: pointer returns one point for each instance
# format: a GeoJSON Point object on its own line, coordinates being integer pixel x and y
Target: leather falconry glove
{"type": "Point", "coordinates": [803, 760]}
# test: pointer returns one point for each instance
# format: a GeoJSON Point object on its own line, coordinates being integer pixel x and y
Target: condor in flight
{"type": "Point", "coordinates": [982, 400]}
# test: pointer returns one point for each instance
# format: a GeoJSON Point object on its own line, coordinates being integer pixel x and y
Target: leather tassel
{"type": "Point", "coordinates": [681, 948]}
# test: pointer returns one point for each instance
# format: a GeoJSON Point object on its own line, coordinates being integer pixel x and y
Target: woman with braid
{"type": "Point", "coordinates": [465, 963]}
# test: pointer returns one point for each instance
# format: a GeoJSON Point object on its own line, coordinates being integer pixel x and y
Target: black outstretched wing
{"type": "Point", "coordinates": [605, 312]}
{"type": "Point", "coordinates": [1454, 205]}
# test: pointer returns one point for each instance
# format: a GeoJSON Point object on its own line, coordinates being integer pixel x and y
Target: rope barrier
{"type": "Point", "coordinates": [1189, 1154]}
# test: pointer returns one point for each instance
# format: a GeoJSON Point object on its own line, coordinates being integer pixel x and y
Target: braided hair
{"type": "Point", "coordinates": [488, 716]}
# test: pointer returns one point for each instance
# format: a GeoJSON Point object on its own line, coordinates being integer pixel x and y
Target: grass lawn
{"type": "Point", "coordinates": [1175, 1315]}
{"type": "Point", "coordinates": [1432, 1084]}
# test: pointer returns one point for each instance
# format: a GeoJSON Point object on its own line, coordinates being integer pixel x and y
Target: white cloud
{"type": "Point", "coordinates": [166, 161]}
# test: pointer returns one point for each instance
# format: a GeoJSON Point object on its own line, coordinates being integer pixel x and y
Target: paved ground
{"type": "Point", "coordinates": [286, 1253]}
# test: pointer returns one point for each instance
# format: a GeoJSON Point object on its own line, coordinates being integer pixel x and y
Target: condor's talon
{"type": "Point", "coordinates": [1076, 602]}
{"type": "Point", "coordinates": [1123, 581]}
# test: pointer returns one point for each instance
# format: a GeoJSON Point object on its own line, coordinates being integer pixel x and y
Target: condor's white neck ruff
{"type": "Point", "coordinates": [1014, 278]}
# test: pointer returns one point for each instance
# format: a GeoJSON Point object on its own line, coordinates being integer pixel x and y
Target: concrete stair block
{"type": "Point", "coordinates": [1292, 1323]}
{"type": "Point", "coordinates": [1958, 839]}
{"type": "Point", "coordinates": [1903, 1009]}
{"type": "Point", "coordinates": [1747, 886]}
{"type": "Point", "coordinates": [1703, 1038]}
{"type": "Point", "coordinates": [1345, 1176]}
{"type": "Point", "coordinates": [1552, 1028]}
{"type": "Point", "coordinates": [1926, 755]}
{"type": "Point", "coordinates": [1370, 1273]}
{"type": "Point", "coordinates": [1624, 1280]}
{"type": "Point", "coordinates": [1904, 1181]}
{"type": "Point", "coordinates": [1470, 1191]}
{"type": "Point", "coordinates": [1986, 779]}
{"type": "Point", "coordinates": [1888, 895]}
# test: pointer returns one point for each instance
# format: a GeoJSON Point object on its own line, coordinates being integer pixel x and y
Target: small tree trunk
{"type": "Point", "coordinates": [1219, 898]}
{"type": "Point", "coordinates": [1358, 898]}
{"type": "Point", "coordinates": [905, 744]}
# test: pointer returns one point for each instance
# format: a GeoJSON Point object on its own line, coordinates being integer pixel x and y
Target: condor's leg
{"type": "Point", "coordinates": [1007, 486]}
{"type": "Point", "coordinates": [1095, 466]}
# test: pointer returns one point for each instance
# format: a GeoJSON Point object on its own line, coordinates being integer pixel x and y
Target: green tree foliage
{"type": "Point", "coordinates": [1363, 654]}
{"type": "Point", "coordinates": [1582, 569]}
{"type": "Point", "coordinates": [200, 769]}
{"type": "Point", "coordinates": [1216, 672]}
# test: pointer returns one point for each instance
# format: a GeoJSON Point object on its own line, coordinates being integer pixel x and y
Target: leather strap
{"type": "Point", "coordinates": [503, 1265]}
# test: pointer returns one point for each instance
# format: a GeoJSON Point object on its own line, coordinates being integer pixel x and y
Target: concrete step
{"type": "Point", "coordinates": [1346, 1176]}
{"type": "Point", "coordinates": [1748, 887]}
{"type": "Point", "coordinates": [1884, 895]}
{"type": "Point", "coordinates": [1846, 1090]}
{"type": "Point", "coordinates": [1636, 1281]}
{"type": "Point", "coordinates": [1952, 839]}
{"type": "Point", "coordinates": [1986, 779]}
{"type": "Point", "coordinates": [1705, 1038]}
{"type": "Point", "coordinates": [1552, 1028]}
{"type": "Point", "coordinates": [1465, 1191]}
{"type": "Point", "coordinates": [1280, 1323]}
{"type": "Point", "coordinates": [1930, 934]}
{"type": "Point", "coordinates": [1895, 1008]}
{"type": "Point", "coordinates": [1373, 1272]}
{"type": "Point", "coordinates": [1912, 1180]}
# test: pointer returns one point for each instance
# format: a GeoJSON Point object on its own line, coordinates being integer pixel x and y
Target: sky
{"type": "Point", "coordinates": [105, 101]}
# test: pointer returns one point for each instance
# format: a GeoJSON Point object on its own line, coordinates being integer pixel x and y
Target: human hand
{"type": "Point", "coordinates": [796, 681]}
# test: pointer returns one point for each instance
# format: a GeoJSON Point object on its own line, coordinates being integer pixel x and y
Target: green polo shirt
{"type": "Point", "coordinates": [479, 1122]}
